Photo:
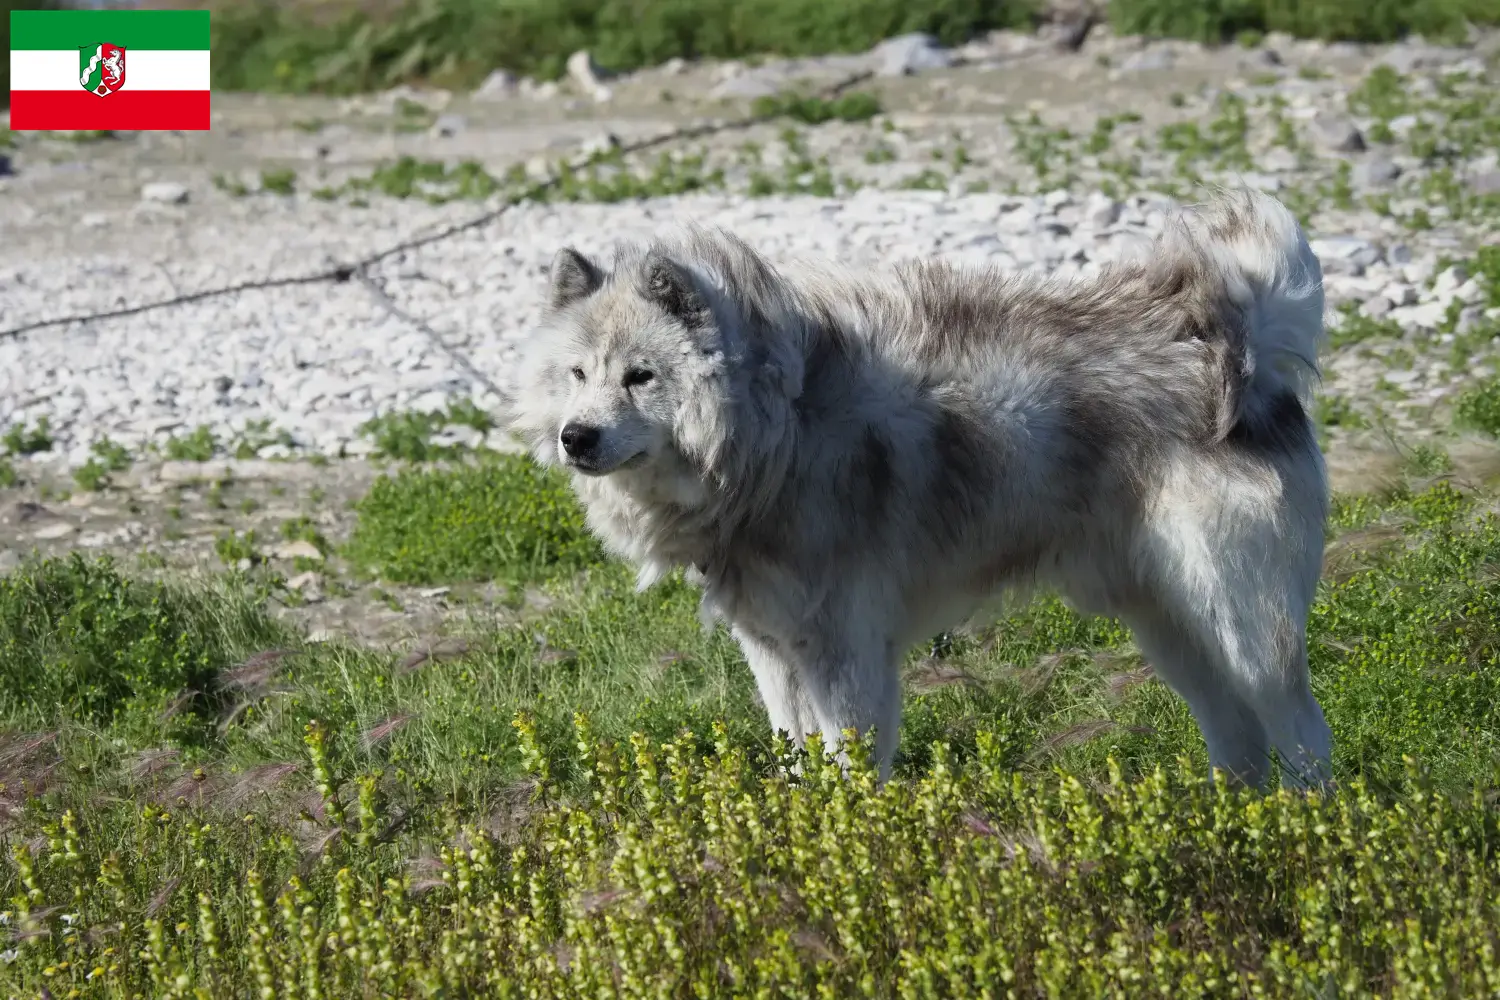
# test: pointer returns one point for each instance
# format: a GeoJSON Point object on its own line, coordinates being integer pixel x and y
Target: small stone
{"type": "Point", "coordinates": [908, 54]}
{"type": "Point", "coordinates": [1337, 134]}
{"type": "Point", "coordinates": [1485, 182]}
{"type": "Point", "coordinates": [223, 384]}
{"type": "Point", "coordinates": [1345, 254]}
{"type": "Point", "coordinates": [538, 168]}
{"type": "Point", "coordinates": [94, 220]}
{"type": "Point", "coordinates": [322, 635]}
{"type": "Point", "coordinates": [1470, 291]}
{"type": "Point", "coordinates": [449, 125]}
{"type": "Point", "coordinates": [1400, 294]}
{"type": "Point", "coordinates": [674, 66]}
{"type": "Point", "coordinates": [304, 581]}
{"type": "Point", "coordinates": [1102, 211]}
{"type": "Point", "coordinates": [1469, 319]}
{"type": "Point", "coordinates": [1419, 272]}
{"type": "Point", "coordinates": [434, 592]}
{"type": "Point", "coordinates": [1148, 60]}
{"type": "Point", "coordinates": [500, 85]}
{"type": "Point", "coordinates": [587, 75]}
{"type": "Point", "coordinates": [61, 529]}
{"type": "Point", "coordinates": [1398, 253]}
{"type": "Point", "coordinates": [165, 192]}
{"type": "Point", "coordinates": [1376, 307]}
{"type": "Point", "coordinates": [299, 549]}
{"type": "Point", "coordinates": [601, 144]}
{"type": "Point", "coordinates": [1446, 285]}
{"type": "Point", "coordinates": [1374, 172]}
{"type": "Point", "coordinates": [746, 86]}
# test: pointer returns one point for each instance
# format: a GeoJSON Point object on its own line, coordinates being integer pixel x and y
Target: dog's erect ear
{"type": "Point", "coordinates": [670, 286]}
{"type": "Point", "coordinates": [574, 277]}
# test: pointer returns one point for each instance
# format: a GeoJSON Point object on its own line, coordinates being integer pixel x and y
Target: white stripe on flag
{"type": "Point", "coordinates": [145, 69]}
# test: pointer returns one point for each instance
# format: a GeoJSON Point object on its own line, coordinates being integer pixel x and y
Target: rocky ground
{"type": "Point", "coordinates": [1026, 151]}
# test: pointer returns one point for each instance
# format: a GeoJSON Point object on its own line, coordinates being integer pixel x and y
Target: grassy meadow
{"type": "Point", "coordinates": [575, 791]}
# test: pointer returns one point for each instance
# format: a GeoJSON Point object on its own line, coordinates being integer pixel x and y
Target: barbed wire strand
{"type": "Point", "coordinates": [339, 273]}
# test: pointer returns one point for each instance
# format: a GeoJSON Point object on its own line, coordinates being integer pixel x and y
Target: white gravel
{"type": "Point", "coordinates": [317, 361]}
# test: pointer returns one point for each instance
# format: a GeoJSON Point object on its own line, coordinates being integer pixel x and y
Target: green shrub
{"type": "Point", "coordinates": [1352, 20]}
{"type": "Point", "coordinates": [80, 641]}
{"type": "Point", "coordinates": [681, 874]}
{"type": "Point", "coordinates": [197, 446]}
{"type": "Point", "coordinates": [501, 518]}
{"type": "Point", "coordinates": [1478, 407]}
{"type": "Point", "coordinates": [25, 439]}
{"type": "Point", "coordinates": [263, 45]}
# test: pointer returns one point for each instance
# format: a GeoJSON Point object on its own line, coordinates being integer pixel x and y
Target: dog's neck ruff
{"type": "Point", "coordinates": [691, 523]}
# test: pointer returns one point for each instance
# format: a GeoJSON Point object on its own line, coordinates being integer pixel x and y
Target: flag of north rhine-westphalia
{"type": "Point", "coordinates": [109, 69]}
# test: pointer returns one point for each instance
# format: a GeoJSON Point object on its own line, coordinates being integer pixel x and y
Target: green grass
{"type": "Point", "coordinates": [199, 445]}
{"type": "Point", "coordinates": [855, 106]}
{"type": "Point", "coordinates": [108, 457]}
{"type": "Point", "coordinates": [27, 439]}
{"type": "Point", "coordinates": [1352, 20]}
{"type": "Point", "coordinates": [498, 518]}
{"type": "Point", "coordinates": [283, 181]}
{"type": "Point", "coordinates": [199, 804]}
{"type": "Point", "coordinates": [339, 47]}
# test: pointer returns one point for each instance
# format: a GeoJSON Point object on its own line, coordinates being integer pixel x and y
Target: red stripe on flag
{"type": "Point", "coordinates": [128, 110]}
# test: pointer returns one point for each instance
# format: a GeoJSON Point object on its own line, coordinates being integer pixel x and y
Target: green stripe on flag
{"type": "Point", "coordinates": [129, 29]}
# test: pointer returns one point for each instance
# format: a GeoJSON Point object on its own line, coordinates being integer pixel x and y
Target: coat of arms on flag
{"type": "Point", "coordinates": [102, 68]}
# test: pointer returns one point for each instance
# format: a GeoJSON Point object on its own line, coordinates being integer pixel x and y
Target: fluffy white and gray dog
{"type": "Point", "coordinates": [848, 463]}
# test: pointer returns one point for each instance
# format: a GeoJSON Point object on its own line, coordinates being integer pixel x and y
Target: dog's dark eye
{"type": "Point", "coordinates": [638, 376]}
{"type": "Point", "coordinates": [578, 374]}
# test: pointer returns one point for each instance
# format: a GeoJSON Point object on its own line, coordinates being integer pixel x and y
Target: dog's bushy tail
{"type": "Point", "coordinates": [1262, 262]}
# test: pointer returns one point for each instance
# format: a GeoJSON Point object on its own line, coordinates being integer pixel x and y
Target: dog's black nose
{"type": "Point", "coordinates": [579, 439]}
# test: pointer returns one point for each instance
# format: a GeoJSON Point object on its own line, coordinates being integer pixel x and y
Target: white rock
{"type": "Point", "coordinates": [1400, 294]}
{"type": "Point", "coordinates": [1470, 291]}
{"type": "Point", "coordinates": [50, 532]}
{"type": "Point", "coordinates": [1345, 254]}
{"type": "Point", "coordinates": [1446, 285]}
{"type": "Point", "coordinates": [586, 74]}
{"type": "Point", "coordinates": [907, 54]}
{"type": "Point", "coordinates": [500, 85]}
{"type": "Point", "coordinates": [165, 192]}
{"type": "Point", "coordinates": [305, 581]}
{"type": "Point", "coordinates": [1337, 134]}
{"type": "Point", "coordinates": [298, 549]}
{"type": "Point", "coordinates": [449, 125]}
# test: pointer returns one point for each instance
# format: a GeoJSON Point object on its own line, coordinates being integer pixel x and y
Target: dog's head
{"type": "Point", "coordinates": [651, 364]}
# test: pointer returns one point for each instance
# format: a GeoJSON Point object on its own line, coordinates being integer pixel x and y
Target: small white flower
{"type": "Point", "coordinates": [10, 955]}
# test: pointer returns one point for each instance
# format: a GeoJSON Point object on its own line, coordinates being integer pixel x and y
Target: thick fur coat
{"type": "Point", "coordinates": [849, 462]}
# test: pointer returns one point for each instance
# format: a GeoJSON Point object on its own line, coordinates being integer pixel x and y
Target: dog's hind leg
{"type": "Point", "coordinates": [1237, 740]}
{"type": "Point", "coordinates": [1236, 564]}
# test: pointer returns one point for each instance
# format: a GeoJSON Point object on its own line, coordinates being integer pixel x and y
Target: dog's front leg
{"type": "Point", "coordinates": [852, 680]}
{"type": "Point", "coordinates": [779, 682]}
